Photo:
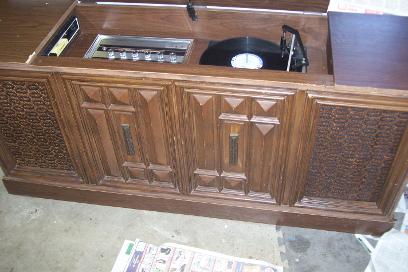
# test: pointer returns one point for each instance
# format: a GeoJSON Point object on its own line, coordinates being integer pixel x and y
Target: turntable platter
{"type": "Point", "coordinates": [245, 52]}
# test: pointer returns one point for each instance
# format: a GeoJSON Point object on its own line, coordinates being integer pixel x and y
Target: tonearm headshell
{"type": "Point", "coordinates": [294, 49]}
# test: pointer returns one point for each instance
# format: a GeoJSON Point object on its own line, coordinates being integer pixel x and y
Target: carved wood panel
{"type": "Point", "coordinates": [128, 125]}
{"type": "Point", "coordinates": [267, 145]}
{"type": "Point", "coordinates": [29, 126]}
{"type": "Point", "coordinates": [354, 148]}
{"type": "Point", "coordinates": [238, 141]}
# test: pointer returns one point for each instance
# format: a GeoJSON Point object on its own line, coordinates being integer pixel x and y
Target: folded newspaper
{"type": "Point", "coordinates": [394, 7]}
{"type": "Point", "coordinates": [138, 256]}
{"type": "Point", "coordinates": [404, 225]}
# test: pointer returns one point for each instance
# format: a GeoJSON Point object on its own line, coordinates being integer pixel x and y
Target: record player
{"type": "Point", "coordinates": [220, 108]}
{"type": "Point", "coordinates": [253, 35]}
{"type": "Point", "coordinates": [254, 53]}
{"type": "Point", "coordinates": [242, 52]}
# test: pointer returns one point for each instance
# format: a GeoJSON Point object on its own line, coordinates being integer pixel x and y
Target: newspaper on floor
{"type": "Point", "coordinates": [123, 257]}
{"type": "Point", "coordinates": [139, 256]}
{"type": "Point", "coordinates": [404, 225]}
{"type": "Point", "coordinates": [369, 242]}
{"type": "Point", "coordinates": [391, 249]}
{"type": "Point", "coordinates": [390, 254]}
{"type": "Point", "coordinates": [394, 7]}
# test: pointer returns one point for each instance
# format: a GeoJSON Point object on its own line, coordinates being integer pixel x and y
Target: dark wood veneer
{"type": "Point", "coordinates": [213, 141]}
{"type": "Point", "coordinates": [213, 25]}
{"type": "Point", "coordinates": [210, 207]}
{"type": "Point", "coordinates": [23, 25]}
{"type": "Point", "coordinates": [102, 159]}
{"type": "Point", "coordinates": [295, 5]}
{"type": "Point", "coordinates": [369, 50]}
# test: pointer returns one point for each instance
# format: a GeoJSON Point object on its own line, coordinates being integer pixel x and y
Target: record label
{"type": "Point", "coordinates": [247, 61]}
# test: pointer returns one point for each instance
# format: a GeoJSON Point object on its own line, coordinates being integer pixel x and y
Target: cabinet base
{"type": "Point", "coordinates": [202, 206]}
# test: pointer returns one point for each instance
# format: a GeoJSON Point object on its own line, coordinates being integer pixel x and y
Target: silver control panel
{"type": "Point", "coordinates": [135, 48]}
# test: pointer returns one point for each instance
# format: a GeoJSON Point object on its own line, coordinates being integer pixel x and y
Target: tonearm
{"type": "Point", "coordinates": [297, 56]}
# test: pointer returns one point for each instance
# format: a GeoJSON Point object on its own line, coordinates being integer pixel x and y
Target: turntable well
{"type": "Point", "coordinates": [255, 54]}
{"type": "Point", "coordinates": [213, 25]}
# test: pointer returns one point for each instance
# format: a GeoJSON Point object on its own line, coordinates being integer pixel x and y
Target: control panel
{"type": "Point", "coordinates": [134, 48]}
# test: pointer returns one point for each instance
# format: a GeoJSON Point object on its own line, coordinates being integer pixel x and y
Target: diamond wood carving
{"type": "Point", "coordinates": [353, 152]}
{"type": "Point", "coordinates": [264, 128]}
{"type": "Point", "coordinates": [266, 105]}
{"type": "Point", "coordinates": [183, 146]}
{"type": "Point", "coordinates": [237, 143]}
{"type": "Point", "coordinates": [205, 140]}
{"type": "Point", "coordinates": [29, 127]}
{"type": "Point", "coordinates": [129, 129]}
{"type": "Point", "coordinates": [233, 102]}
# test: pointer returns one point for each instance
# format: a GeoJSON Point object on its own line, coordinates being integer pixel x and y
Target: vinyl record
{"type": "Point", "coordinates": [245, 52]}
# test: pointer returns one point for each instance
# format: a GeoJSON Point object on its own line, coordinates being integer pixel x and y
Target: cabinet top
{"type": "Point", "coordinates": [369, 50]}
{"type": "Point", "coordinates": [292, 5]}
{"type": "Point", "coordinates": [24, 24]}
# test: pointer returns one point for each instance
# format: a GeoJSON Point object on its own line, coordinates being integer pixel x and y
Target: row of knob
{"type": "Point", "coordinates": [147, 55]}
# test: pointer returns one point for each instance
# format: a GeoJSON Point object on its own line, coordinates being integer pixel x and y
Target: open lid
{"type": "Point", "coordinates": [292, 5]}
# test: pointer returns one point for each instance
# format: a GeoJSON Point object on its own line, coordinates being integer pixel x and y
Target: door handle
{"type": "Point", "coordinates": [127, 135]}
{"type": "Point", "coordinates": [233, 148]}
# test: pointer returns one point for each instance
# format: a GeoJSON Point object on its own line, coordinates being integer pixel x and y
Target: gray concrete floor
{"type": "Point", "coordinates": [48, 235]}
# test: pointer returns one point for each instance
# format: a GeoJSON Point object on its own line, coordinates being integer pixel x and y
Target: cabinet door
{"type": "Point", "coordinates": [237, 140]}
{"type": "Point", "coordinates": [128, 125]}
{"type": "Point", "coordinates": [354, 152]}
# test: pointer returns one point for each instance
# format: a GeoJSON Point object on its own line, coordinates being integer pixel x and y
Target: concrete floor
{"type": "Point", "coordinates": [48, 235]}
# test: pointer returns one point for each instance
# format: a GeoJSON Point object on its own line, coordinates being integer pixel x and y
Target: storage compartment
{"type": "Point", "coordinates": [172, 21]}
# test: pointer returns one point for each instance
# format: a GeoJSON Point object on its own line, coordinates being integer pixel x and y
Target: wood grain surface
{"type": "Point", "coordinates": [295, 5]}
{"type": "Point", "coordinates": [369, 50]}
{"type": "Point", "coordinates": [204, 206]}
{"type": "Point", "coordinates": [213, 25]}
{"type": "Point", "coordinates": [23, 25]}
{"type": "Point", "coordinates": [232, 143]}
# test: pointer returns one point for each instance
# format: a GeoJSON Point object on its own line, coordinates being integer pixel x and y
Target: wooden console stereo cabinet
{"type": "Point", "coordinates": [325, 149]}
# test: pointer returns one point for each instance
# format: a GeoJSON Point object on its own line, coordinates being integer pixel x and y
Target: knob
{"type": "Point", "coordinates": [111, 54]}
{"type": "Point", "coordinates": [160, 56]}
{"type": "Point", "coordinates": [173, 57]}
{"type": "Point", "coordinates": [123, 55]}
{"type": "Point", "coordinates": [135, 56]}
{"type": "Point", "coordinates": [148, 55]}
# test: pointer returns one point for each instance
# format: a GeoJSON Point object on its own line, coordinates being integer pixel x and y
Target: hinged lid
{"type": "Point", "coordinates": [292, 5]}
